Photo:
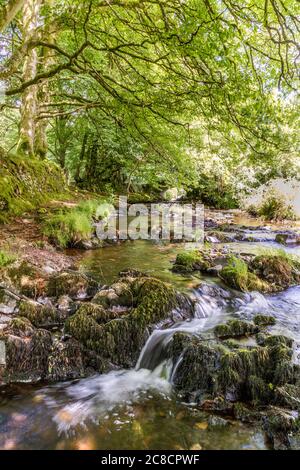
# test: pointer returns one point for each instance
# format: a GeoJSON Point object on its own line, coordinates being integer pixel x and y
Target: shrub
{"type": "Point", "coordinates": [275, 207]}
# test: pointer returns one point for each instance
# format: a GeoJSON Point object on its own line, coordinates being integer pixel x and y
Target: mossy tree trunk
{"type": "Point", "coordinates": [29, 97]}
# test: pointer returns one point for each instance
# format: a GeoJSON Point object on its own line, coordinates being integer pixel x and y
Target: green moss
{"type": "Point", "coordinates": [120, 340]}
{"type": "Point", "coordinates": [97, 312]}
{"type": "Point", "coordinates": [277, 268]}
{"type": "Point", "coordinates": [189, 261]}
{"type": "Point", "coordinates": [264, 320]}
{"type": "Point", "coordinates": [236, 274]}
{"type": "Point", "coordinates": [26, 183]}
{"type": "Point", "coordinates": [235, 328]}
{"type": "Point", "coordinates": [39, 315]}
{"type": "Point", "coordinates": [73, 284]}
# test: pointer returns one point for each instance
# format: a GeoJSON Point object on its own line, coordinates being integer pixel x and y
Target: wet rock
{"type": "Point", "coordinates": [235, 328]}
{"type": "Point", "coordinates": [278, 425]}
{"type": "Point", "coordinates": [66, 305]}
{"type": "Point", "coordinates": [287, 238]}
{"type": "Point", "coordinates": [217, 422]}
{"type": "Point", "coordinates": [190, 261]}
{"type": "Point", "coordinates": [215, 270]}
{"type": "Point", "coordinates": [66, 361]}
{"type": "Point", "coordinates": [209, 368]}
{"type": "Point", "coordinates": [121, 340]}
{"type": "Point", "coordinates": [264, 320]}
{"type": "Point", "coordinates": [119, 293]}
{"type": "Point", "coordinates": [26, 355]}
{"type": "Point", "coordinates": [279, 271]}
{"type": "Point", "coordinates": [75, 285]}
{"type": "Point", "coordinates": [288, 396]}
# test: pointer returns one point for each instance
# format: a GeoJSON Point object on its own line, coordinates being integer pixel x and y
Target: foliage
{"type": "Point", "coordinates": [276, 208]}
{"type": "Point", "coordinates": [26, 183]}
{"type": "Point", "coordinates": [70, 226]}
{"type": "Point", "coordinates": [6, 259]}
{"type": "Point", "coordinates": [142, 96]}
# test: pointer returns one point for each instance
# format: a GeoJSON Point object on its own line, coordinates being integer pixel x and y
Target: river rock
{"type": "Point", "coordinates": [212, 367]}
{"type": "Point", "coordinates": [121, 340]}
{"type": "Point", "coordinates": [76, 285]}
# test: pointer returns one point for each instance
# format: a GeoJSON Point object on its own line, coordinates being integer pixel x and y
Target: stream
{"type": "Point", "coordinates": [137, 409]}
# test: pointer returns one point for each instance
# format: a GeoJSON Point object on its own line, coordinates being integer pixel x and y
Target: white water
{"type": "Point", "coordinates": [91, 399]}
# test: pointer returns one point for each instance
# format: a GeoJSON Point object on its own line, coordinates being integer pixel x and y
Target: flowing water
{"type": "Point", "coordinates": [137, 409]}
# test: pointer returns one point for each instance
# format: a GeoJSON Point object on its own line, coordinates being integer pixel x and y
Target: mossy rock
{"type": "Point", "coordinates": [119, 293]}
{"type": "Point", "coordinates": [236, 275]}
{"type": "Point", "coordinates": [121, 340]}
{"type": "Point", "coordinates": [41, 316]}
{"type": "Point", "coordinates": [211, 368]}
{"type": "Point", "coordinates": [189, 261]}
{"type": "Point", "coordinates": [26, 279]}
{"type": "Point", "coordinates": [26, 183]}
{"type": "Point", "coordinates": [26, 356]}
{"type": "Point", "coordinates": [277, 270]}
{"type": "Point", "coordinates": [235, 328]}
{"type": "Point", "coordinates": [264, 320]}
{"type": "Point", "coordinates": [75, 285]}
{"type": "Point", "coordinates": [99, 314]}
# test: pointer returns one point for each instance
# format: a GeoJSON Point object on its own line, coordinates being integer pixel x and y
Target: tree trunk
{"type": "Point", "coordinates": [29, 97]}
{"type": "Point", "coordinates": [81, 157]}
{"type": "Point", "coordinates": [8, 13]}
{"type": "Point", "coordinates": [43, 94]}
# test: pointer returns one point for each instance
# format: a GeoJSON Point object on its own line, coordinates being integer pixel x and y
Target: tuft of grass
{"type": "Point", "coordinates": [69, 227]}
{"type": "Point", "coordinates": [6, 259]}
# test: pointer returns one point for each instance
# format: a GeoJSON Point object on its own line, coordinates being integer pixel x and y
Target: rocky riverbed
{"type": "Point", "coordinates": [140, 331]}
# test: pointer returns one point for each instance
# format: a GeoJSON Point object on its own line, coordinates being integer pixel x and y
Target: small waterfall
{"type": "Point", "coordinates": [156, 348]}
{"type": "Point", "coordinates": [92, 398]}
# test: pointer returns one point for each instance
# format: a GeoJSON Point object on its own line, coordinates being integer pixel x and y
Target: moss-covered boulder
{"type": "Point", "coordinates": [27, 352]}
{"type": "Point", "coordinates": [207, 368]}
{"type": "Point", "coordinates": [235, 328]}
{"type": "Point", "coordinates": [236, 274]}
{"type": "Point", "coordinates": [120, 340]}
{"type": "Point", "coordinates": [279, 270]}
{"type": "Point", "coordinates": [264, 320]}
{"type": "Point", "coordinates": [41, 316]}
{"type": "Point", "coordinates": [74, 284]}
{"type": "Point", "coordinates": [189, 261]}
{"type": "Point", "coordinates": [26, 183]}
{"type": "Point", "coordinates": [24, 279]}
